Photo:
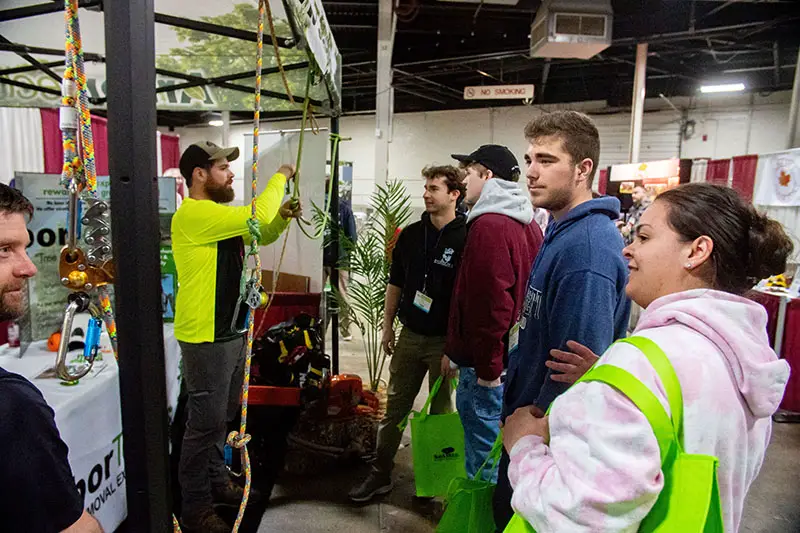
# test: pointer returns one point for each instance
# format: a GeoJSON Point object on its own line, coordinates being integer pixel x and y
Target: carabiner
{"type": "Point", "coordinates": [78, 302]}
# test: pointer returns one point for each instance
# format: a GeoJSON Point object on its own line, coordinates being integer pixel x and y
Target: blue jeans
{"type": "Point", "coordinates": [479, 408]}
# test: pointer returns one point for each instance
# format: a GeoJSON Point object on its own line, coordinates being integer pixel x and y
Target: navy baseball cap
{"type": "Point", "coordinates": [496, 158]}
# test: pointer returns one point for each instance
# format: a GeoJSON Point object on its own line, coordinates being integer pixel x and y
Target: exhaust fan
{"type": "Point", "coordinates": [571, 29]}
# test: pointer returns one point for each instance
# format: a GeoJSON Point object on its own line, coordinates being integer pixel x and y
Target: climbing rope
{"type": "Point", "coordinates": [251, 291]}
{"type": "Point", "coordinates": [239, 440]}
{"type": "Point", "coordinates": [268, 12]}
{"type": "Point", "coordinates": [81, 272]}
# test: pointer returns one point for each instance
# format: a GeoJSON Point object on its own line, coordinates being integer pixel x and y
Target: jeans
{"type": "Point", "coordinates": [213, 373]}
{"type": "Point", "coordinates": [414, 356]}
{"type": "Point", "coordinates": [479, 408]}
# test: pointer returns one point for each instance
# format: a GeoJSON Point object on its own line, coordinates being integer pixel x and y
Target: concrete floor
{"type": "Point", "coordinates": [320, 504]}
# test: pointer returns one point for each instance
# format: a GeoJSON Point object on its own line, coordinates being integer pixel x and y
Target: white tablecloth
{"type": "Point", "coordinates": [89, 420]}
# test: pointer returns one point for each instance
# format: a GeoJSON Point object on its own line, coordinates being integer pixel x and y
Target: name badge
{"type": "Point", "coordinates": [513, 338]}
{"type": "Point", "coordinates": [423, 302]}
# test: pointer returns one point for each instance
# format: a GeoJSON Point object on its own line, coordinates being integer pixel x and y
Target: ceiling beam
{"type": "Point", "coordinates": [42, 9]}
{"type": "Point", "coordinates": [29, 86]}
{"type": "Point", "coordinates": [230, 77]}
{"type": "Point", "coordinates": [429, 82]}
{"type": "Point", "coordinates": [216, 29]}
{"type": "Point", "coordinates": [231, 86]}
{"type": "Point", "coordinates": [29, 68]}
{"type": "Point", "coordinates": [34, 62]}
{"type": "Point", "coordinates": [740, 29]}
{"type": "Point", "coordinates": [17, 48]}
{"type": "Point", "coordinates": [403, 89]}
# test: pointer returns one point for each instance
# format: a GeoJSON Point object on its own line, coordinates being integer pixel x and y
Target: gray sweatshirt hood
{"type": "Point", "coordinates": [503, 198]}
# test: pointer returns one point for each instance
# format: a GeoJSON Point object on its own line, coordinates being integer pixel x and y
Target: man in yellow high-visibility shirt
{"type": "Point", "coordinates": [208, 242]}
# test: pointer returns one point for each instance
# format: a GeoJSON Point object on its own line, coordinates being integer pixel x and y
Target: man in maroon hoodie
{"type": "Point", "coordinates": [502, 242]}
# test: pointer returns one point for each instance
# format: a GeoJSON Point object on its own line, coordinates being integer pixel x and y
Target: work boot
{"type": "Point", "coordinates": [375, 484]}
{"type": "Point", "coordinates": [230, 493]}
{"type": "Point", "coordinates": [205, 521]}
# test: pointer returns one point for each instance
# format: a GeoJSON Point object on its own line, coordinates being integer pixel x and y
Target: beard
{"type": "Point", "coordinates": [11, 309]}
{"type": "Point", "coordinates": [221, 194]}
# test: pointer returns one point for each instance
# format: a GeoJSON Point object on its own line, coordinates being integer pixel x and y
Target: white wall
{"type": "Point", "coordinates": [726, 125]}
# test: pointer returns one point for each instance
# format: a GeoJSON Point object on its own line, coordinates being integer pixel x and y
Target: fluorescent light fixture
{"type": "Point", "coordinates": [216, 123]}
{"type": "Point", "coordinates": [724, 88]}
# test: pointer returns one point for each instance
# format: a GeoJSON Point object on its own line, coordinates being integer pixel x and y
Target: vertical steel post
{"type": "Point", "coordinates": [384, 97]}
{"type": "Point", "coordinates": [335, 243]}
{"type": "Point", "coordinates": [637, 113]}
{"type": "Point", "coordinates": [792, 140]}
{"type": "Point", "coordinates": [130, 72]}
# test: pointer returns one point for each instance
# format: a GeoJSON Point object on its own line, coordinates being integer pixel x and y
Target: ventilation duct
{"type": "Point", "coordinates": [571, 29]}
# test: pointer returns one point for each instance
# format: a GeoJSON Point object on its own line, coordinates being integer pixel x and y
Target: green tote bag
{"type": "Point", "coordinates": [437, 448]}
{"type": "Point", "coordinates": [469, 501]}
{"type": "Point", "coordinates": [689, 501]}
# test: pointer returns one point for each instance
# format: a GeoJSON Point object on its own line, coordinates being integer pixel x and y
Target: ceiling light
{"type": "Point", "coordinates": [725, 88]}
{"type": "Point", "coordinates": [216, 123]}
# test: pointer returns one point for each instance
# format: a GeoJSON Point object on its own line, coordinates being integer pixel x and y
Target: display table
{"type": "Point", "coordinates": [89, 420]}
{"type": "Point", "coordinates": [783, 329]}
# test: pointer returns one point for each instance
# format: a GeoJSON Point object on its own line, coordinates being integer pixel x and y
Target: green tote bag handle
{"type": "Point", "coordinates": [689, 501]}
{"type": "Point", "coordinates": [425, 408]}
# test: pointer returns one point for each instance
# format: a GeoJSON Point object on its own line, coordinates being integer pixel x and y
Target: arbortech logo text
{"type": "Point", "coordinates": [447, 258]}
{"type": "Point", "coordinates": [447, 454]}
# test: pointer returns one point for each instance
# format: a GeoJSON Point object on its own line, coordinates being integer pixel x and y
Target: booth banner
{"type": "Point", "coordinates": [184, 55]}
{"type": "Point", "coordinates": [99, 471]}
{"type": "Point", "coordinates": [47, 231]}
{"type": "Point", "coordinates": [95, 450]}
{"type": "Point", "coordinates": [653, 170]}
{"type": "Point", "coordinates": [779, 179]}
{"type": "Point", "coordinates": [310, 21]}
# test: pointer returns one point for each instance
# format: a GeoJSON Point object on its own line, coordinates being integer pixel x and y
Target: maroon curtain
{"type": "Point", "coordinates": [718, 170]}
{"type": "Point", "coordinates": [54, 151]}
{"type": "Point", "coordinates": [603, 183]}
{"type": "Point", "coordinates": [100, 136]}
{"type": "Point", "coordinates": [51, 136]}
{"type": "Point", "coordinates": [170, 151]}
{"type": "Point", "coordinates": [791, 352]}
{"type": "Point", "coordinates": [744, 175]}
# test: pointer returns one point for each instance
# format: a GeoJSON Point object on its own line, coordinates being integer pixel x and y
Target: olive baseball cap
{"type": "Point", "coordinates": [200, 153]}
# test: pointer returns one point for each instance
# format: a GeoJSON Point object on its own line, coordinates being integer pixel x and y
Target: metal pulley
{"type": "Point", "coordinates": [80, 271]}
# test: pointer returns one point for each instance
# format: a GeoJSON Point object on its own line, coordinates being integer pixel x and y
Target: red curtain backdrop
{"type": "Point", "coordinates": [790, 349]}
{"type": "Point", "coordinates": [718, 170]}
{"type": "Point", "coordinates": [170, 152]}
{"type": "Point", "coordinates": [54, 152]}
{"type": "Point", "coordinates": [744, 175]}
{"type": "Point", "coordinates": [603, 183]}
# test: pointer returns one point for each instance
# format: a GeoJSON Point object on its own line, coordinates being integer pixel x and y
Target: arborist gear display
{"type": "Point", "coordinates": [290, 354]}
{"type": "Point", "coordinates": [86, 274]}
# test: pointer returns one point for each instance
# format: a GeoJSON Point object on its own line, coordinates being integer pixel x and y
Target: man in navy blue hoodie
{"type": "Point", "coordinates": [576, 290]}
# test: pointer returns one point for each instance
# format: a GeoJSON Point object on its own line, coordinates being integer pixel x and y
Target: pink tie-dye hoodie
{"type": "Point", "coordinates": [602, 470]}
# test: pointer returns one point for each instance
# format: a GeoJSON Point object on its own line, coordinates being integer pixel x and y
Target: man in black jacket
{"type": "Point", "coordinates": [424, 264]}
{"type": "Point", "coordinates": [39, 492]}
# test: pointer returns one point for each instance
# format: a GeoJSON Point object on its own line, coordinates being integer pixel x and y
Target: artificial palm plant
{"type": "Point", "coordinates": [368, 261]}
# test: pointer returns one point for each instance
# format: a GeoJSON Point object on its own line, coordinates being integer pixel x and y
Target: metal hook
{"type": "Point", "coordinates": [78, 303]}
